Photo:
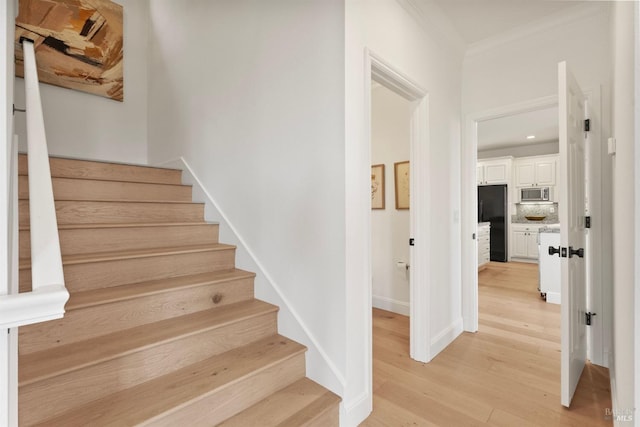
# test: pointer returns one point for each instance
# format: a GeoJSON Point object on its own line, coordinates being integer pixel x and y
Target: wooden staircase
{"type": "Point", "coordinates": [161, 329]}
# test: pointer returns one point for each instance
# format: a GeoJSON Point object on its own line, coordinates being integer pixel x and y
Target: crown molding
{"type": "Point", "coordinates": [434, 22]}
{"type": "Point", "coordinates": [556, 20]}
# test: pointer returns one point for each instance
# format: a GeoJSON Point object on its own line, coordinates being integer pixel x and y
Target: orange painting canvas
{"type": "Point", "coordinates": [78, 44]}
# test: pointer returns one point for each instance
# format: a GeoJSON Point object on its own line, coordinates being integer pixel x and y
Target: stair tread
{"type": "Point", "coordinates": [125, 225]}
{"type": "Point", "coordinates": [47, 363]}
{"type": "Point", "coordinates": [135, 253]}
{"type": "Point", "coordinates": [148, 401]}
{"type": "Point", "coordinates": [90, 298]}
{"type": "Point", "coordinates": [294, 405]}
{"type": "Point", "coordinates": [107, 162]}
{"type": "Point", "coordinates": [106, 170]}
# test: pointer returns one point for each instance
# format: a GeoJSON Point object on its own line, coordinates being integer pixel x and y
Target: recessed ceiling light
{"type": "Point", "coordinates": [531, 137]}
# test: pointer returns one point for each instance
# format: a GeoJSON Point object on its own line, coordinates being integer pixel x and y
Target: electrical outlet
{"type": "Point", "coordinates": [552, 209]}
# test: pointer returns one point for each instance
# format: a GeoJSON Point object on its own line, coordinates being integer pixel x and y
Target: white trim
{"type": "Point", "coordinates": [553, 297]}
{"type": "Point", "coordinates": [352, 413]}
{"type": "Point", "coordinates": [595, 235]}
{"type": "Point", "coordinates": [419, 311]}
{"type": "Point", "coordinates": [446, 336]}
{"type": "Point", "coordinates": [636, 309]}
{"type": "Point", "coordinates": [614, 398]}
{"type": "Point", "coordinates": [210, 203]}
{"type": "Point", "coordinates": [390, 304]}
{"type": "Point", "coordinates": [564, 17]}
{"type": "Point", "coordinates": [470, 200]}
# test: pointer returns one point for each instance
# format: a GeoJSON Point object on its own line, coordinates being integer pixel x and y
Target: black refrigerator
{"type": "Point", "coordinates": [492, 207]}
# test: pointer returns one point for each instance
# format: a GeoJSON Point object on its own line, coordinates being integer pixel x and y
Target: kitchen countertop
{"type": "Point", "coordinates": [480, 224]}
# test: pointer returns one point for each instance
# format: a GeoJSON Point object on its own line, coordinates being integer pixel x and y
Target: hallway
{"type": "Point", "coordinates": [507, 374]}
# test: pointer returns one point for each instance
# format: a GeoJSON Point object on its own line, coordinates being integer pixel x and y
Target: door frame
{"type": "Point", "coordinates": [8, 218]}
{"type": "Point", "coordinates": [469, 203]}
{"type": "Point", "coordinates": [384, 73]}
{"type": "Point", "coordinates": [599, 343]}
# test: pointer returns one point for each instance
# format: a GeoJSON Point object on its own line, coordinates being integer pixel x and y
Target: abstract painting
{"type": "Point", "coordinates": [78, 44]}
{"type": "Point", "coordinates": [377, 186]}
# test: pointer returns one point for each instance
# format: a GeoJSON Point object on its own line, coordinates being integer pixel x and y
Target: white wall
{"type": "Point", "coordinates": [390, 115]}
{"type": "Point", "coordinates": [251, 94]}
{"type": "Point", "coordinates": [625, 180]}
{"type": "Point", "coordinates": [523, 68]}
{"type": "Point", "coordinates": [92, 127]}
{"type": "Point", "coordinates": [434, 63]}
{"type": "Point", "coordinates": [526, 68]}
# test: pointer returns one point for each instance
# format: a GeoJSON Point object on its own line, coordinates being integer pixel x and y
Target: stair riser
{"type": "Point", "coordinates": [83, 189]}
{"type": "Point", "coordinates": [222, 404]}
{"type": "Point", "coordinates": [79, 241]}
{"type": "Point", "coordinates": [81, 324]}
{"type": "Point", "coordinates": [68, 168]}
{"type": "Point", "coordinates": [85, 212]}
{"type": "Point", "coordinates": [96, 275]}
{"type": "Point", "coordinates": [53, 396]}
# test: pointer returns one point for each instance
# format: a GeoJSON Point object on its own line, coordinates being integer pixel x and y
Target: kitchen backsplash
{"type": "Point", "coordinates": [536, 209]}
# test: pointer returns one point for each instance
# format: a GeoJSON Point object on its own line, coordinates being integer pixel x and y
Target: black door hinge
{"type": "Point", "coordinates": [587, 317]}
{"type": "Point", "coordinates": [587, 222]}
{"type": "Point", "coordinates": [473, 236]}
{"type": "Point", "coordinates": [412, 242]}
{"type": "Point", "coordinates": [20, 110]}
{"type": "Point", "coordinates": [587, 125]}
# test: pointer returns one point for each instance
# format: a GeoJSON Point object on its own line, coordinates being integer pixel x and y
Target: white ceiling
{"type": "Point", "coordinates": [476, 20]}
{"type": "Point", "coordinates": [513, 130]}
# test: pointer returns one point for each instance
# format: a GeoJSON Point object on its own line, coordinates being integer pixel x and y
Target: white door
{"type": "Point", "coordinates": [572, 111]}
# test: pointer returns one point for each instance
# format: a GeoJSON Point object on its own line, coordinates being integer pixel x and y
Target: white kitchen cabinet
{"type": "Point", "coordinates": [484, 244]}
{"type": "Point", "coordinates": [519, 244]}
{"type": "Point", "coordinates": [535, 171]}
{"type": "Point", "coordinates": [524, 241]}
{"type": "Point", "coordinates": [495, 171]}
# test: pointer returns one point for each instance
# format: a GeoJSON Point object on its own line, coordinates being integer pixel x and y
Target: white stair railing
{"type": "Point", "coordinates": [48, 296]}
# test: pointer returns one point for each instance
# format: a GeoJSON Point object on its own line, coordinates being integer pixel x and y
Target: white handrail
{"type": "Point", "coordinates": [48, 295]}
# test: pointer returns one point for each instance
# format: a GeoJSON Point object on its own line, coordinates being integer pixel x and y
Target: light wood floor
{"type": "Point", "coordinates": [507, 374]}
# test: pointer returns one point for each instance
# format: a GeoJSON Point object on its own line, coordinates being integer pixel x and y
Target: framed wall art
{"type": "Point", "coordinates": [402, 181]}
{"type": "Point", "coordinates": [78, 44]}
{"type": "Point", "coordinates": [377, 186]}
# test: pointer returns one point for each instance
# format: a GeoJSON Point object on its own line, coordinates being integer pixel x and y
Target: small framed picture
{"type": "Point", "coordinates": [402, 182]}
{"type": "Point", "coordinates": [377, 187]}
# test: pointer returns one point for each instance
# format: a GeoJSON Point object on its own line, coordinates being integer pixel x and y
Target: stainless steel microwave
{"type": "Point", "coordinates": [536, 194]}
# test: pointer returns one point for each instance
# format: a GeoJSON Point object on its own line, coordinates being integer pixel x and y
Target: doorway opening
{"type": "Point", "coordinates": [390, 207]}
{"type": "Point", "coordinates": [518, 190]}
{"type": "Point", "coordinates": [419, 218]}
{"type": "Point", "coordinates": [504, 164]}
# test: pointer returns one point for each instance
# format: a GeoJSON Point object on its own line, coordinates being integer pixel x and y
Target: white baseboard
{"type": "Point", "coordinates": [446, 337]}
{"type": "Point", "coordinates": [390, 304]}
{"type": "Point", "coordinates": [353, 413]}
{"type": "Point", "coordinates": [553, 297]}
{"type": "Point", "coordinates": [529, 260]}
